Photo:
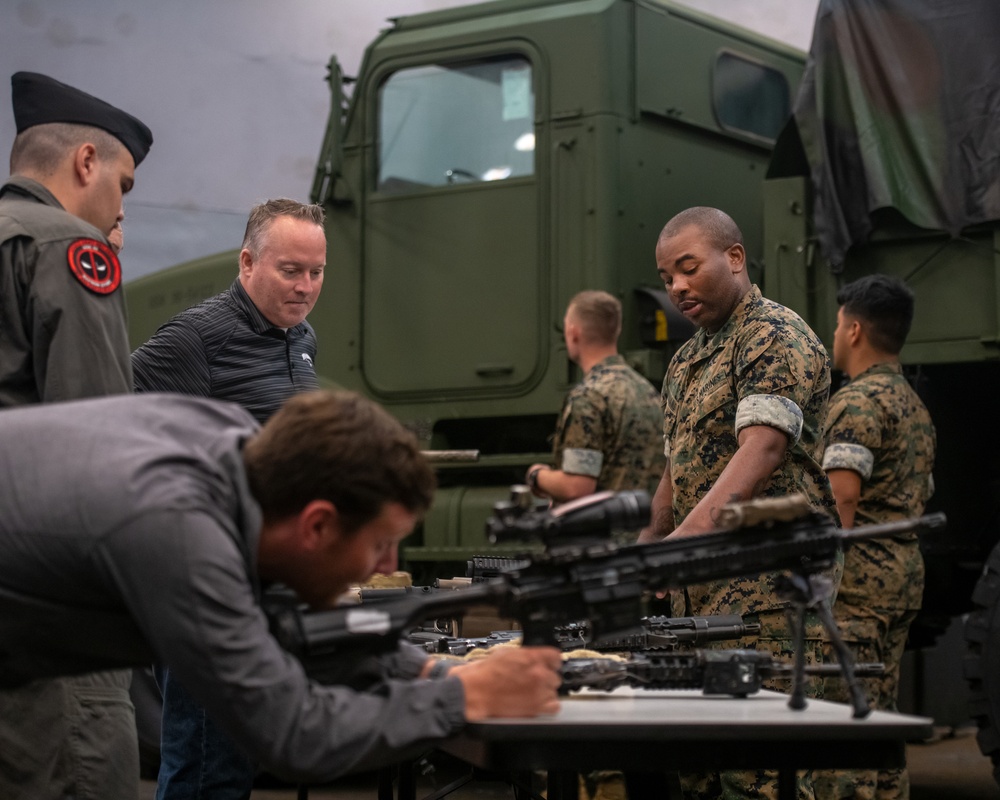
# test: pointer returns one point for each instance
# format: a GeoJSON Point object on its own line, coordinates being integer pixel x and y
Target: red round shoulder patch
{"type": "Point", "coordinates": [95, 265]}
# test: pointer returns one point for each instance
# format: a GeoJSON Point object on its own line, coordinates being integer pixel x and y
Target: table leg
{"type": "Point", "coordinates": [563, 785]}
{"type": "Point", "coordinates": [647, 786]}
{"type": "Point", "coordinates": [404, 773]}
{"type": "Point", "coordinates": [385, 790]}
{"type": "Point", "coordinates": [787, 789]}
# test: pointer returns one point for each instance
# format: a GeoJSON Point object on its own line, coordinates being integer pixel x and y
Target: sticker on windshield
{"type": "Point", "coordinates": [515, 85]}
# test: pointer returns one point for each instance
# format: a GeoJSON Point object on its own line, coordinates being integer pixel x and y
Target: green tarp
{"type": "Point", "coordinates": [899, 108]}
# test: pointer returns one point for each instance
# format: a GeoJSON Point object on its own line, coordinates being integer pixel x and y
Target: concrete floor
{"type": "Point", "coordinates": [948, 768]}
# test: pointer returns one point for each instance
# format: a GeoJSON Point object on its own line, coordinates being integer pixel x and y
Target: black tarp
{"type": "Point", "coordinates": [899, 108]}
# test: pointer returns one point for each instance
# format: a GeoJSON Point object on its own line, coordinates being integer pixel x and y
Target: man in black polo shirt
{"type": "Point", "coordinates": [250, 345]}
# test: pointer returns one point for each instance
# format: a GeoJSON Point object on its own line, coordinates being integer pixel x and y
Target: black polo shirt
{"type": "Point", "coordinates": [224, 348]}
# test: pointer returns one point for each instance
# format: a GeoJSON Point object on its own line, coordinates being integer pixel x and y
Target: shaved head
{"type": "Point", "coordinates": [719, 228]}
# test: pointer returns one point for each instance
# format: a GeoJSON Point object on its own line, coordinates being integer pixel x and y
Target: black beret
{"type": "Point", "coordinates": [38, 99]}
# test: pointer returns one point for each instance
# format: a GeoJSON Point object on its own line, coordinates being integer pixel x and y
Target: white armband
{"type": "Point", "coordinates": [576, 461]}
{"type": "Point", "coordinates": [772, 410]}
{"type": "Point", "coordinates": [855, 457]}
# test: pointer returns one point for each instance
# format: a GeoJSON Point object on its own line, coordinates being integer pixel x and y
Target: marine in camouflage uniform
{"type": "Point", "coordinates": [607, 439]}
{"type": "Point", "coordinates": [763, 367]}
{"type": "Point", "coordinates": [608, 435]}
{"type": "Point", "coordinates": [609, 429]}
{"type": "Point", "coordinates": [879, 430]}
{"type": "Point", "coordinates": [757, 365]}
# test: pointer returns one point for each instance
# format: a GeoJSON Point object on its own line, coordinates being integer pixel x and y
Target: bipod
{"type": "Point", "coordinates": [813, 592]}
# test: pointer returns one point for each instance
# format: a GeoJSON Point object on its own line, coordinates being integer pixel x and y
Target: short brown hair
{"type": "Point", "coordinates": [263, 214]}
{"type": "Point", "coordinates": [599, 314]}
{"type": "Point", "coordinates": [41, 148]}
{"type": "Point", "coordinates": [341, 447]}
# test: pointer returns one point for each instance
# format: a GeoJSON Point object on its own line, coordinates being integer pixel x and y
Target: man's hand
{"type": "Point", "coordinates": [511, 682]}
{"type": "Point", "coordinates": [531, 478]}
{"type": "Point", "coordinates": [647, 536]}
{"type": "Point", "coordinates": [116, 238]}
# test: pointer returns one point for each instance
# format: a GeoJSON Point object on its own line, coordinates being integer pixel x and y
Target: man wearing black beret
{"type": "Point", "coordinates": [63, 336]}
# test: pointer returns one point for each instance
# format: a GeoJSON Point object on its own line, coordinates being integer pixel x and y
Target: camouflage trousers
{"type": "Point", "coordinates": [774, 638]}
{"type": "Point", "coordinates": [872, 635]}
{"type": "Point", "coordinates": [603, 785]}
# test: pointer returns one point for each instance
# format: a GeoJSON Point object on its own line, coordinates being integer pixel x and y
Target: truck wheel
{"type": "Point", "coordinates": [982, 662]}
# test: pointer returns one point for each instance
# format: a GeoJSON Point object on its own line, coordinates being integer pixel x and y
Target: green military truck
{"type": "Point", "coordinates": [490, 161]}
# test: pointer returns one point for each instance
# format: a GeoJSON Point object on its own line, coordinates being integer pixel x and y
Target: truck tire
{"type": "Point", "coordinates": [982, 662]}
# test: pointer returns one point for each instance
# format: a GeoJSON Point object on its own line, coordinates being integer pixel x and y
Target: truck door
{"type": "Point", "coordinates": [452, 274]}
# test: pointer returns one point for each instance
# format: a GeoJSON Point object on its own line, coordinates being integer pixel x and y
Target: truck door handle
{"type": "Point", "coordinates": [494, 370]}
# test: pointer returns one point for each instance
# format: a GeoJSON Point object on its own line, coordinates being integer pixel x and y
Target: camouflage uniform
{"type": "Point", "coordinates": [609, 429]}
{"type": "Point", "coordinates": [763, 367]}
{"type": "Point", "coordinates": [879, 428]}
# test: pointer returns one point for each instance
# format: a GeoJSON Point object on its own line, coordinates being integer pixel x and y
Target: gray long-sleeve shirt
{"type": "Point", "coordinates": [128, 532]}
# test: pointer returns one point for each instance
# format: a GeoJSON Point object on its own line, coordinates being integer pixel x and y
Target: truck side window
{"type": "Point", "coordinates": [749, 97]}
{"type": "Point", "coordinates": [456, 123]}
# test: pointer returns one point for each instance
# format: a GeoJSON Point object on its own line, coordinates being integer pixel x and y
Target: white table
{"type": "Point", "coordinates": [643, 732]}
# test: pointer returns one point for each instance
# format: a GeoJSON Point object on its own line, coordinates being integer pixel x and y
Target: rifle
{"type": "Point", "coordinates": [658, 633]}
{"type": "Point", "coordinates": [583, 575]}
{"type": "Point", "coordinates": [734, 672]}
{"type": "Point", "coordinates": [478, 570]}
{"type": "Point", "coordinates": [444, 644]}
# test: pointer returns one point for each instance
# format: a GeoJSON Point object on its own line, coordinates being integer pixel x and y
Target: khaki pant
{"type": "Point", "coordinates": [69, 738]}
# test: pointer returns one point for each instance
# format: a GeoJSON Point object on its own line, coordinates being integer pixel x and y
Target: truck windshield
{"type": "Point", "coordinates": [456, 123]}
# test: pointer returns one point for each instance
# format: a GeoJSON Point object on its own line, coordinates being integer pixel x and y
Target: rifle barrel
{"type": "Point", "coordinates": [924, 524]}
{"type": "Point", "coordinates": [450, 456]}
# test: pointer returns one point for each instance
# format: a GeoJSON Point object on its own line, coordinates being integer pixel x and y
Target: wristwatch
{"type": "Point", "coordinates": [533, 478]}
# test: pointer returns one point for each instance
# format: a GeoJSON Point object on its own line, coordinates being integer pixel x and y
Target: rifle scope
{"type": "Point", "coordinates": [592, 518]}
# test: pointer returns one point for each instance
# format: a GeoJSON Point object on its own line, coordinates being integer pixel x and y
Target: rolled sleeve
{"type": "Point", "coordinates": [855, 457]}
{"type": "Point", "coordinates": [577, 461]}
{"type": "Point", "coordinates": [772, 410]}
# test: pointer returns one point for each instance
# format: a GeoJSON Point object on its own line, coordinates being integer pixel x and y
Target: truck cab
{"type": "Point", "coordinates": [487, 163]}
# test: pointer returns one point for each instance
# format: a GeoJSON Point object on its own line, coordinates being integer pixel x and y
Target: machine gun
{"type": "Point", "coordinates": [660, 633]}
{"type": "Point", "coordinates": [734, 672]}
{"type": "Point", "coordinates": [442, 644]}
{"type": "Point", "coordinates": [657, 633]}
{"type": "Point", "coordinates": [583, 575]}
